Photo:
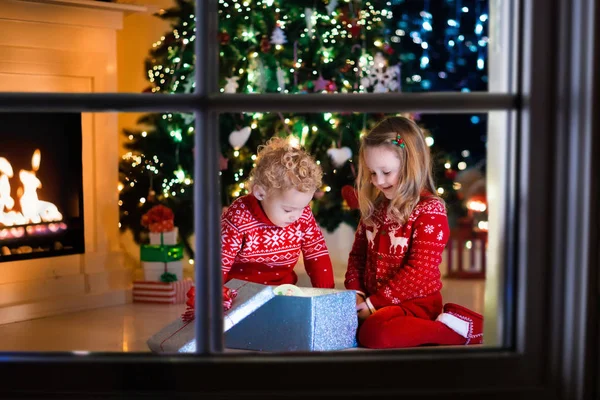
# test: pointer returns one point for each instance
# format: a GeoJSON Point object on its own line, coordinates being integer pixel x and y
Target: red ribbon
{"type": "Point", "coordinates": [188, 315]}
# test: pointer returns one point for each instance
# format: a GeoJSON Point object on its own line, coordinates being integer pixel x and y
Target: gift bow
{"type": "Point", "coordinates": [158, 219]}
{"type": "Point", "coordinates": [188, 315]}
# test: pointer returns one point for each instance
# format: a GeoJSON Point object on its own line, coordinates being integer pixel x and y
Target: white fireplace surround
{"type": "Point", "coordinates": [69, 46]}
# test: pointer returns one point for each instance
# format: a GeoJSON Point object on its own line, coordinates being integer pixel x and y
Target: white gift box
{"type": "Point", "coordinates": [153, 270]}
{"type": "Point", "coordinates": [167, 237]}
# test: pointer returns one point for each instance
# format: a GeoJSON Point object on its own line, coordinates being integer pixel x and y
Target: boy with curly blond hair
{"type": "Point", "coordinates": [264, 232]}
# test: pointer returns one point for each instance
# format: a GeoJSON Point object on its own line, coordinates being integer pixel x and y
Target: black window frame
{"type": "Point", "coordinates": [552, 259]}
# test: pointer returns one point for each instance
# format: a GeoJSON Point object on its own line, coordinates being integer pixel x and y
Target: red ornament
{"type": "Point", "coordinates": [265, 45]}
{"type": "Point", "coordinates": [345, 68]}
{"type": "Point", "coordinates": [388, 49]}
{"type": "Point", "coordinates": [450, 174]}
{"type": "Point", "coordinates": [224, 38]}
{"type": "Point", "coordinates": [350, 196]}
{"type": "Point", "coordinates": [354, 28]}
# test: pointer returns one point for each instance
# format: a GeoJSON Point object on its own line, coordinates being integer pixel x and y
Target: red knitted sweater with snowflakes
{"type": "Point", "coordinates": [391, 263]}
{"type": "Point", "coordinates": [255, 250]}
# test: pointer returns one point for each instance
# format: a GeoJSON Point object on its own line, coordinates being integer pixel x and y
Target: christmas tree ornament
{"type": "Point", "coordinates": [339, 156]}
{"type": "Point", "coordinates": [280, 78]}
{"type": "Point", "coordinates": [320, 84]}
{"type": "Point", "coordinates": [350, 197]}
{"type": "Point", "coordinates": [231, 86]}
{"type": "Point", "coordinates": [310, 20]}
{"type": "Point", "coordinates": [237, 139]}
{"type": "Point", "coordinates": [331, 6]}
{"type": "Point", "coordinates": [265, 45]}
{"type": "Point", "coordinates": [278, 36]}
{"type": "Point", "coordinates": [224, 38]}
{"type": "Point", "coordinates": [380, 78]}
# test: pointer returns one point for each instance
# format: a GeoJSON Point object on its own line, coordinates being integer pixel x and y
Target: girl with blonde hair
{"type": "Point", "coordinates": [394, 262]}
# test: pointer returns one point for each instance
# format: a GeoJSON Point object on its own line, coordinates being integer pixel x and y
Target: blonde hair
{"type": "Point", "coordinates": [282, 166]}
{"type": "Point", "coordinates": [415, 169]}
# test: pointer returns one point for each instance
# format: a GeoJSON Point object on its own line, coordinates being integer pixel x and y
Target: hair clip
{"type": "Point", "coordinates": [399, 141]}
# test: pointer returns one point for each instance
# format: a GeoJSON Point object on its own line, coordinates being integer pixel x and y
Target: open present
{"type": "Point", "coordinates": [305, 319]}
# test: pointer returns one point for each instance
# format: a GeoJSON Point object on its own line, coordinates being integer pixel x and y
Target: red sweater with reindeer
{"type": "Point", "coordinates": [255, 250]}
{"type": "Point", "coordinates": [391, 263]}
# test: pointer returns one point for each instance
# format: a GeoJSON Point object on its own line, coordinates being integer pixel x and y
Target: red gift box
{"type": "Point", "coordinates": [161, 292]}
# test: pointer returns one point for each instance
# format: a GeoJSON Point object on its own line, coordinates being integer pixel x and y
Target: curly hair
{"type": "Point", "coordinates": [281, 166]}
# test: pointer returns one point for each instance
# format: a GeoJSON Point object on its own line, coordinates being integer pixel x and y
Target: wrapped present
{"type": "Point", "coordinates": [178, 337]}
{"type": "Point", "coordinates": [161, 253]}
{"type": "Point", "coordinates": [153, 271]}
{"type": "Point", "coordinates": [267, 318]}
{"type": "Point", "coordinates": [168, 237]}
{"type": "Point", "coordinates": [313, 320]}
{"type": "Point", "coordinates": [161, 292]}
{"type": "Point", "coordinates": [160, 221]}
{"type": "Point", "coordinates": [162, 262]}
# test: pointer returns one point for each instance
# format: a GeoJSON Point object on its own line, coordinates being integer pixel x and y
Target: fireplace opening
{"type": "Point", "coordinates": [41, 185]}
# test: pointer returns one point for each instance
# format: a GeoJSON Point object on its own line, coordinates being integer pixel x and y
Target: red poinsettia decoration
{"type": "Point", "coordinates": [159, 219]}
{"type": "Point", "coordinates": [188, 315]}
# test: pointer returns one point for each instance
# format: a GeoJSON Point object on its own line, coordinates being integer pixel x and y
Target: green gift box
{"type": "Point", "coordinates": [161, 253]}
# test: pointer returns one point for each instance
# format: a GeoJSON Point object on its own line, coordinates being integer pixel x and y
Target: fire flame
{"type": "Point", "coordinates": [33, 210]}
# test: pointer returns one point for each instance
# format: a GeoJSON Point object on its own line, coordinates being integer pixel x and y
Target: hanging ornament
{"type": "Point", "coordinates": [320, 84]}
{"type": "Point", "coordinates": [331, 87]}
{"type": "Point", "coordinates": [339, 156]}
{"type": "Point", "coordinates": [231, 85]}
{"type": "Point", "coordinates": [151, 196]}
{"type": "Point", "coordinates": [278, 36]}
{"type": "Point", "coordinates": [265, 46]}
{"type": "Point", "coordinates": [310, 21]}
{"type": "Point", "coordinates": [380, 77]}
{"type": "Point", "coordinates": [223, 163]}
{"type": "Point", "coordinates": [188, 119]}
{"type": "Point", "coordinates": [354, 27]}
{"type": "Point", "coordinates": [224, 38]}
{"type": "Point", "coordinates": [237, 139]}
{"type": "Point", "coordinates": [388, 49]}
{"type": "Point", "coordinates": [350, 196]}
{"type": "Point", "coordinates": [280, 78]}
{"type": "Point", "coordinates": [188, 86]}
{"type": "Point", "coordinates": [331, 6]}
{"type": "Point", "coordinates": [345, 68]}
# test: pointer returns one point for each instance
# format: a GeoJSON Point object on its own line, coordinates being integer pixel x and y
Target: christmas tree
{"type": "Point", "coordinates": [288, 47]}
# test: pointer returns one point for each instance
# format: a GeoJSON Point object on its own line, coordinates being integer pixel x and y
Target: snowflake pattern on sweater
{"type": "Point", "coordinates": [391, 263]}
{"type": "Point", "coordinates": [254, 249]}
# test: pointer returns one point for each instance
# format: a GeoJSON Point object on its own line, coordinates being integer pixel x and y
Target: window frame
{"type": "Point", "coordinates": [551, 319]}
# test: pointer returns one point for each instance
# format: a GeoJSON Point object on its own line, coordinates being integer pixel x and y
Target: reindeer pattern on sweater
{"type": "Point", "coordinates": [392, 262]}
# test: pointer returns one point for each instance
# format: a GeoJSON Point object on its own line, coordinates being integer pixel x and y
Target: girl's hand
{"type": "Point", "coordinates": [359, 299]}
{"type": "Point", "coordinates": [363, 311]}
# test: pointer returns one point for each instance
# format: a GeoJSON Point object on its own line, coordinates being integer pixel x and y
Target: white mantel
{"type": "Point", "coordinates": [69, 46]}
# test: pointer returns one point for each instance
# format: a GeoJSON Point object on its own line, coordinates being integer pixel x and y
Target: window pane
{"type": "Point", "coordinates": [276, 46]}
{"type": "Point", "coordinates": [466, 177]}
{"type": "Point", "coordinates": [57, 46]}
{"type": "Point", "coordinates": [68, 182]}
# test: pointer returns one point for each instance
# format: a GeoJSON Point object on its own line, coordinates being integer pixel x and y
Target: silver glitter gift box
{"type": "Point", "coordinates": [178, 336]}
{"type": "Point", "coordinates": [318, 320]}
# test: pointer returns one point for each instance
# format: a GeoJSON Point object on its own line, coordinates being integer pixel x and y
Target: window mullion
{"type": "Point", "coordinates": [208, 301]}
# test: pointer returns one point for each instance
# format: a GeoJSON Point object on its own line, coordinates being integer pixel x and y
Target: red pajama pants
{"type": "Point", "coordinates": [409, 324]}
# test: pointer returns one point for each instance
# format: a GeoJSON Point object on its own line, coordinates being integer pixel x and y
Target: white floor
{"type": "Point", "coordinates": [126, 328]}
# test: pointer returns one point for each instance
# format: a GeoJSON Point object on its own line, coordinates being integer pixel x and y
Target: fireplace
{"type": "Point", "coordinates": [41, 188]}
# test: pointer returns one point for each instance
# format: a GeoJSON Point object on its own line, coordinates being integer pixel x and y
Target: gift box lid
{"type": "Point", "coordinates": [249, 298]}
